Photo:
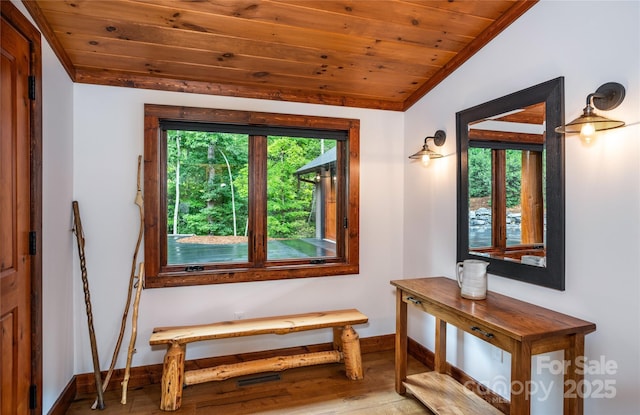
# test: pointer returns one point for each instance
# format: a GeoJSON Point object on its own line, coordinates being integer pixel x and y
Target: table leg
{"type": "Point", "coordinates": [401, 343]}
{"type": "Point", "coordinates": [440, 355]}
{"type": "Point", "coordinates": [520, 379]}
{"type": "Point", "coordinates": [574, 377]}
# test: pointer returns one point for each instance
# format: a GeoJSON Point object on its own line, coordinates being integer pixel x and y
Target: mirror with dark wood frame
{"type": "Point", "coordinates": [510, 181]}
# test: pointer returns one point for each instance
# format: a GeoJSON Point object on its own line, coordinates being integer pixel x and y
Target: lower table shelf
{"type": "Point", "coordinates": [443, 395]}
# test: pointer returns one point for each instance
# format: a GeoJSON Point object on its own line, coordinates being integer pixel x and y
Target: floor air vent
{"type": "Point", "coordinates": [258, 379]}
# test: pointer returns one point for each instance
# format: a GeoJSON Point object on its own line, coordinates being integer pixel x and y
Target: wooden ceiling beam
{"type": "Point", "coordinates": [533, 114]}
{"type": "Point", "coordinates": [128, 80]}
{"type": "Point", "coordinates": [506, 136]}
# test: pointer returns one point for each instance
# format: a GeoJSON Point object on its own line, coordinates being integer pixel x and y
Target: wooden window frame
{"type": "Point", "coordinates": [158, 274]}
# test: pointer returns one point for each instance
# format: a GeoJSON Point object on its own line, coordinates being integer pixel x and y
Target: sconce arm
{"type": "Point", "coordinates": [438, 138]}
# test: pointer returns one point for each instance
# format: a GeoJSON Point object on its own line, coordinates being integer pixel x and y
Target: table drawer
{"type": "Point", "coordinates": [471, 326]}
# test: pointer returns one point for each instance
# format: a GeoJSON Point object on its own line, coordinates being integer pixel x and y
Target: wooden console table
{"type": "Point", "coordinates": [519, 328]}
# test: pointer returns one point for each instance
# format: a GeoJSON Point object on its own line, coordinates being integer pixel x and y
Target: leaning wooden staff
{"type": "Point", "coordinates": [87, 301]}
{"type": "Point", "coordinates": [132, 277]}
{"type": "Point", "coordinates": [134, 332]}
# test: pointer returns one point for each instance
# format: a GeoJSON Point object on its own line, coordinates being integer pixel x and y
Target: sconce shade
{"type": "Point", "coordinates": [426, 151]}
{"type": "Point", "coordinates": [425, 154]}
{"type": "Point", "coordinates": [599, 124]}
{"type": "Point", "coordinates": [607, 97]}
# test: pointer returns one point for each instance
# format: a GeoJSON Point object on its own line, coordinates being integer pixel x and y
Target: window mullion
{"type": "Point", "coordinates": [258, 200]}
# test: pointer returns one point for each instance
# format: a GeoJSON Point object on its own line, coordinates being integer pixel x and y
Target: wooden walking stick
{"type": "Point", "coordinates": [134, 332]}
{"type": "Point", "coordinates": [87, 301]}
{"type": "Point", "coordinates": [138, 201]}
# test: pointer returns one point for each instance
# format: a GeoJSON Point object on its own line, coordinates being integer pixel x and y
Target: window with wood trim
{"type": "Point", "coordinates": [233, 196]}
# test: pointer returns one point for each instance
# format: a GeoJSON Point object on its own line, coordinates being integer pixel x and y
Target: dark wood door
{"type": "Point", "coordinates": [15, 223]}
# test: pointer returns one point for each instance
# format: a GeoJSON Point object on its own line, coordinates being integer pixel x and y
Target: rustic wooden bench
{"type": "Point", "coordinates": [346, 345]}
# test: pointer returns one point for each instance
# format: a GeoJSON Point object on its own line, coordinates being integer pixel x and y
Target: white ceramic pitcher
{"type": "Point", "coordinates": [472, 278]}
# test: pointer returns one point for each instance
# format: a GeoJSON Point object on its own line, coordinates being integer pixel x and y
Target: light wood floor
{"type": "Point", "coordinates": [305, 391]}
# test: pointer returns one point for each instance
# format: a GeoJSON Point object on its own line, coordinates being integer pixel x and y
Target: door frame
{"type": "Point", "coordinates": [24, 26]}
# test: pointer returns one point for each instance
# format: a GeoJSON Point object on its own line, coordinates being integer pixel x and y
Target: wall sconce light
{"type": "Point", "coordinates": [426, 154]}
{"type": "Point", "coordinates": [606, 98]}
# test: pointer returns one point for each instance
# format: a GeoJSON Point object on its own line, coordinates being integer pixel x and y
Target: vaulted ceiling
{"type": "Point", "coordinates": [363, 53]}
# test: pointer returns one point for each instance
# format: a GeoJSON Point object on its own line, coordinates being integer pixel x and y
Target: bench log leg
{"type": "Point", "coordinates": [172, 377]}
{"type": "Point", "coordinates": [351, 351]}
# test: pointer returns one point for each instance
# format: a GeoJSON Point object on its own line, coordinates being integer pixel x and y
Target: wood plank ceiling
{"type": "Point", "coordinates": [379, 54]}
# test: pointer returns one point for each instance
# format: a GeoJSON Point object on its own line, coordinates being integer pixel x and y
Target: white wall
{"type": "Point", "coordinates": [589, 43]}
{"type": "Point", "coordinates": [108, 136]}
{"type": "Point", "coordinates": [57, 188]}
{"type": "Point", "coordinates": [57, 239]}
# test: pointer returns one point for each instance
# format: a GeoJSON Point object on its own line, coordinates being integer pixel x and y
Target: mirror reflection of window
{"type": "Point", "coordinates": [506, 186]}
{"type": "Point", "coordinates": [480, 180]}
